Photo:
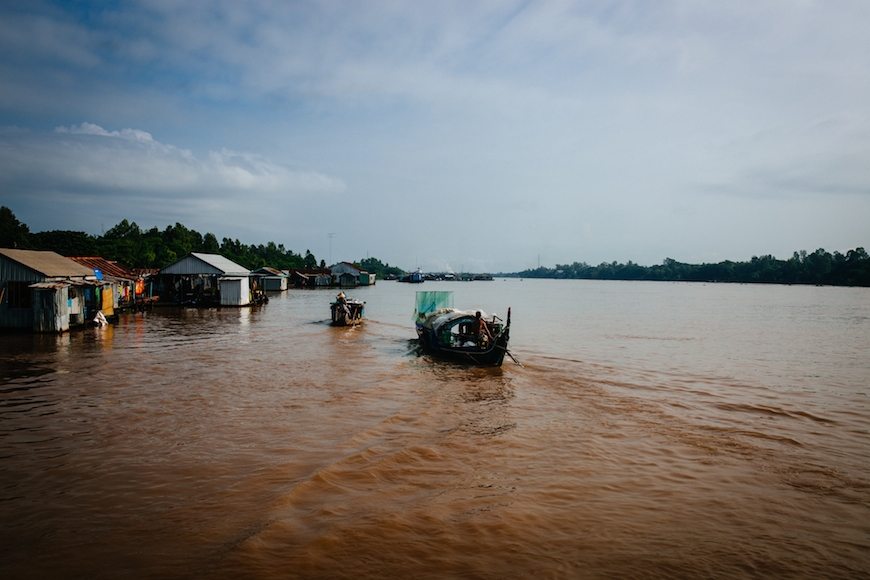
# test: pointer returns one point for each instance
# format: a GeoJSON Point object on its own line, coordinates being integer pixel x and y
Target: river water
{"type": "Point", "coordinates": [654, 430]}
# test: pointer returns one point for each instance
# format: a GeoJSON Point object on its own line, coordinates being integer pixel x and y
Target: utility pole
{"type": "Point", "coordinates": [330, 236]}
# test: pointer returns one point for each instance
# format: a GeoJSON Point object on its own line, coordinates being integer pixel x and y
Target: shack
{"type": "Point", "coordinates": [272, 279]}
{"type": "Point", "coordinates": [345, 274]}
{"type": "Point", "coordinates": [46, 292]}
{"type": "Point", "coordinates": [124, 280]}
{"type": "Point", "coordinates": [207, 280]}
{"type": "Point", "coordinates": [310, 277]}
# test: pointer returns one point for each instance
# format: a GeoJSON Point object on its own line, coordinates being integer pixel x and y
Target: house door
{"type": "Point", "coordinates": [91, 306]}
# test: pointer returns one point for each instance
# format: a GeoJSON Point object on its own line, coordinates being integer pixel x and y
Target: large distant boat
{"type": "Point", "coordinates": [413, 277]}
{"type": "Point", "coordinates": [445, 331]}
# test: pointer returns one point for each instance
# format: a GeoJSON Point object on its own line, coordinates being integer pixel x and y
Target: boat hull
{"type": "Point", "coordinates": [492, 355]}
{"type": "Point", "coordinates": [350, 314]}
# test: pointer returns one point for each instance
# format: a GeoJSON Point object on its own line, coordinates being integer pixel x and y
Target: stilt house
{"type": "Point", "coordinates": [45, 292]}
{"type": "Point", "coordinates": [345, 274]}
{"type": "Point", "coordinates": [207, 280]}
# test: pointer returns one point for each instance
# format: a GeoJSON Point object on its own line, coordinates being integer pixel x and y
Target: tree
{"type": "Point", "coordinates": [310, 260]}
{"type": "Point", "coordinates": [124, 230]}
{"type": "Point", "coordinates": [66, 243]}
{"type": "Point", "coordinates": [210, 244]}
{"type": "Point", "coordinates": [375, 266]}
{"type": "Point", "coordinates": [13, 233]}
{"type": "Point", "coordinates": [181, 240]}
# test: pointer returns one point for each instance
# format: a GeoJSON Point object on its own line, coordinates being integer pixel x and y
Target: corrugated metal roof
{"type": "Point", "coordinates": [224, 264]}
{"type": "Point", "coordinates": [67, 283]}
{"type": "Point", "coordinates": [108, 268]}
{"type": "Point", "coordinates": [49, 264]}
{"type": "Point", "coordinates": [197, 263]}
{"type": "Point", "coordinates": [309, 271]}
{"type": "Point", "coordinates": [345, 267]}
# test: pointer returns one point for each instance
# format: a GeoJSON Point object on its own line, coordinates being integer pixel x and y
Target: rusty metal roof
{"type": "Point", "coordinates": [107, 267]}
{"type": "Point", "coordinates": [67, 283]}
{"type": "Point", "coordinates": [49, 264]}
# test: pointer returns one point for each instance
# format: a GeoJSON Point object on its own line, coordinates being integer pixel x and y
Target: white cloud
{"type": "Point", "coordinates": [89, 160]}
{"type": "Point", "coordinates": [91, 129]}
{"type": "Point", "coordinates": [568, 124]}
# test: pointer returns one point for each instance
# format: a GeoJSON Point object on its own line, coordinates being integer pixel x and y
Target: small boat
{"type": "Point", "coordinates": [447, 332]}
{"type": "Point", "coordinates": [347, 311]}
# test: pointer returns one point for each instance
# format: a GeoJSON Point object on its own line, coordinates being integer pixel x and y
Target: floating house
{"type": "Point", "coordinates": [272, 279]}
{"type": "Point", "coordinates": [207, 280]}
{"type": "Point", "coordinates": [345, 274]}
{"type": "Point", "coordinates": [46, 292]}
{"type": "Point", "coordinates": [127, 284]}
{"type": "Point", "coordinates": [310, 277]}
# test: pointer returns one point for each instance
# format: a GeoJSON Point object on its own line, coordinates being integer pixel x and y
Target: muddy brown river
{"type": "Point", "coordinates": [654, 430]}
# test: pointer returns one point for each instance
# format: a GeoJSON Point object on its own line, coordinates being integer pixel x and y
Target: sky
{"type": "Point", "coordinates": [490, 136]}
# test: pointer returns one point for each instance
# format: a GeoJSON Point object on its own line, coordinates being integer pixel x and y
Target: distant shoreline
{"type": "Point", "coordinates": [820, 268]}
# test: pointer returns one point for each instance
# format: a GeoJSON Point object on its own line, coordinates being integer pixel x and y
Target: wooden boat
{"type": "Point", "coordinates": [347, 311]}
{"type": "Point", "coordinates": [447, 332]}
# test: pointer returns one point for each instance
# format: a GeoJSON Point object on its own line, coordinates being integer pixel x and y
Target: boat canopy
{"type": "Point", "coordinates": [431, 301]}
{"type": "Point", "coordinates": [450, 318]}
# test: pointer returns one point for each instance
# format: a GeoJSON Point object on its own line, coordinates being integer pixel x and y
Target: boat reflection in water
{"type": "Point", "coordinates": [464, 336]}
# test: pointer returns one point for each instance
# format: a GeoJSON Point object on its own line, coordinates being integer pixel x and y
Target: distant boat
{"type": "Point", "coordinates": [347, 311]}
{"type": "Point", "coordinates": [413, 277]}
{"type": "Point", "coordinates": [445, 331]}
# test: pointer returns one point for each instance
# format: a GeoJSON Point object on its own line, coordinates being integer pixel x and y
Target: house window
{"type": "Point", "coordinates": [19, 295]}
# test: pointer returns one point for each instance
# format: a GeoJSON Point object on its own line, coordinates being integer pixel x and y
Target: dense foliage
{"type": "Point", "coordinates": [375, 266]}
{"type": "Point", "coordinates": [820, 267]}
{"type": "Point", "coordinates": [13, 233]}
{"type": "Point", "coordinates": [128, 244]}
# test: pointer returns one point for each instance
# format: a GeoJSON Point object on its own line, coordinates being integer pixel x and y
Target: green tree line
{"type": "Point", "coordinates": [820, 267]}
{"type": "Point", "coordinates": [132, 246]}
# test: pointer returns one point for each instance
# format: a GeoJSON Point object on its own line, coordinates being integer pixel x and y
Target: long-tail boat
{"type": "Point", "coordinates": [347, 311]}
{"type": "Point", "coordinates": [447, 332]}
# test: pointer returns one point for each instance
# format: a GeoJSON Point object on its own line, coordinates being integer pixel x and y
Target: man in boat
{"type": "Point", "coordinates": [480, 329]}
{"type": "Point", "coordinates": [342, 304]}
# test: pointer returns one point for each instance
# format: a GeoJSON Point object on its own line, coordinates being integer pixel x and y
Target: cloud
{"type": "Point", "coordinates": [31, 37]}
{"type": "Point", "coordinates": [89, 160]}
{"type": "Point", "coordinates": [91, 129]}
{"type": "Point", "coordinates": [83, 176]}
{"type": "Point", "coordinates": [820, 158]}
{"type": "Point", "coordinates": [593, 130]}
